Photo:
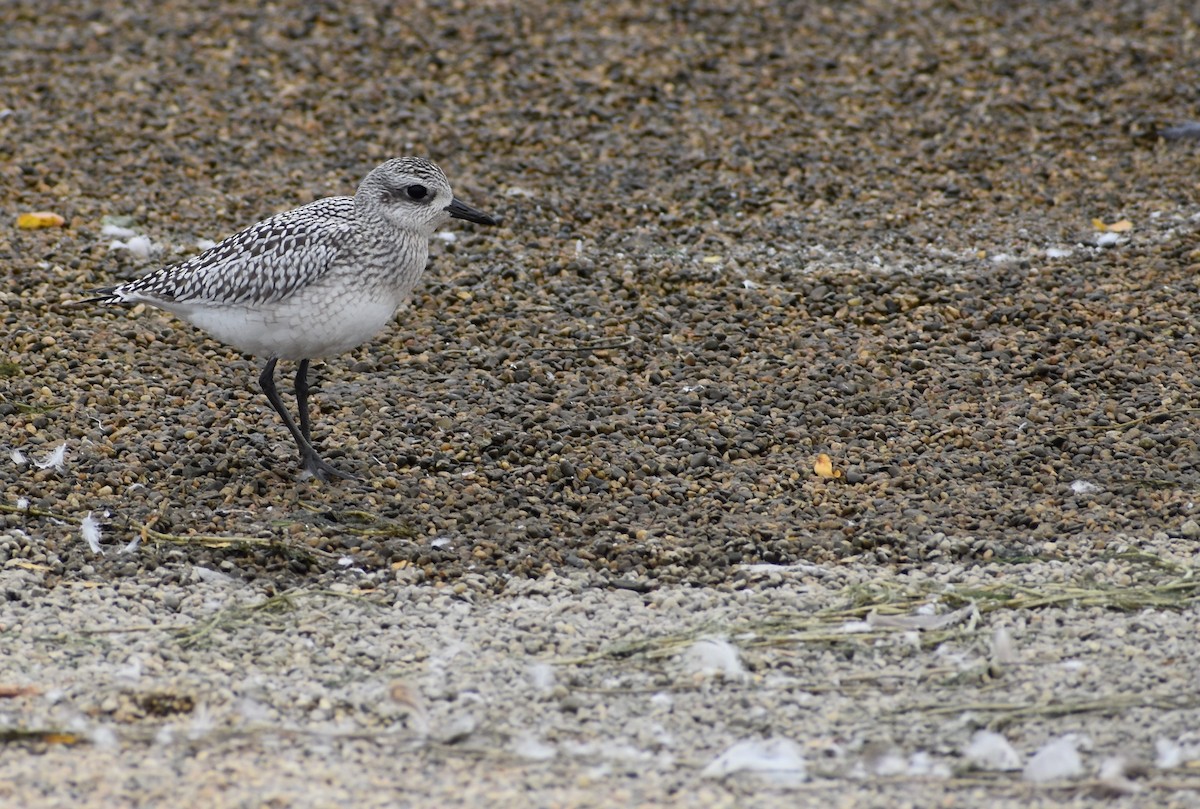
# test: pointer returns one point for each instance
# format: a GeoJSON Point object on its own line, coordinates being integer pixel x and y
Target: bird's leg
{"type": "Point", "coordinates": [302, 400]}
{"type": "Point", "coordinates": [312, 462]}
{"type": "Point", "coordinates": [308, 456]}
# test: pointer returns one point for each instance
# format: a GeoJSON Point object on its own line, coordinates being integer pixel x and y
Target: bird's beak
{"type": "Point", "coordinates": [460, 210]}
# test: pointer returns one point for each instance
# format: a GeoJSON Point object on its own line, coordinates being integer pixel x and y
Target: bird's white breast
{"type": "Point", "coordinates": [297, 327]}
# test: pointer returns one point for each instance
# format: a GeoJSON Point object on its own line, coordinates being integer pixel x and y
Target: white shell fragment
{"type": "Point", "coordinates": [777, 759]}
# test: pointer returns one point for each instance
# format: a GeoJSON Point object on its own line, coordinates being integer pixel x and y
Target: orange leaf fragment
{"type": "Point", "coordinates": [68, 739]}
{"type": "Point", "coordinates": [11, 691]}
{"type": "Point", "coordinates": [824, 467]}
{"type": "Point", "coordinates": [40, 219]}
{"type": "Point", "coordinates": [1116, 227]}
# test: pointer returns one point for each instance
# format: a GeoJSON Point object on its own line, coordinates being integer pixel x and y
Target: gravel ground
{"type": "Point", "coordinates": [951, 248]}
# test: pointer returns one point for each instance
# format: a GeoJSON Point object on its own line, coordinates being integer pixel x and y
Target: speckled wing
{"type": "Point", "coordinates": [262, 264]}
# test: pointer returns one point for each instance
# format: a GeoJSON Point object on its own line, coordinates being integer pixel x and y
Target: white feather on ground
{"type": "Point", "coordinates": [139, 246]}
{"type": "Point", "coordinates": [90, 529]}
{"type": "Point", "coordinates": [56, 459]}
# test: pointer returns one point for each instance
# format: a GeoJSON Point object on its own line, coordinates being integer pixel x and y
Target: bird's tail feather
{"type": "Point", "coordinates": [102, 295]}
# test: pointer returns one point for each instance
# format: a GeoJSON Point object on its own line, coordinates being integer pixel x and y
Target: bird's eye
{"type": "Point", "coordinates": [416, 192]}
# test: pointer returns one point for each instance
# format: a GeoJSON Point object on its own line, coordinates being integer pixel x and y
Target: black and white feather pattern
{"type": "Point", "coordinates": [262, 264]}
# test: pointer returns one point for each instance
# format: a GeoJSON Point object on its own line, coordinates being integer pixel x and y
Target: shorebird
{"type": "Point", "coordinates": [312, 282]}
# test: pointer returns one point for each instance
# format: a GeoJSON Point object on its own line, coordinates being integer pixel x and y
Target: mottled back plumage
{"type": "Point", "coordinates": [262, 264]}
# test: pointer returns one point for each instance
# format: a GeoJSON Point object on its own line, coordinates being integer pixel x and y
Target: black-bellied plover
{"type": "Point", "coordinates": [311, 282]}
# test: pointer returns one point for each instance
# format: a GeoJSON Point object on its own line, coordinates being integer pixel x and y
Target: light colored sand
{"type": "Point", "coordinates": [366, 691]}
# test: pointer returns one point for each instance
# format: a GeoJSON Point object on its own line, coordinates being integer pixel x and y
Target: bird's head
{"type": "Point", "coordinates": [412, 193]}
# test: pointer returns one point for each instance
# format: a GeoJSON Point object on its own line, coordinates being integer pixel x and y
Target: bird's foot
{"type": "Point", "coordinates": [322, 471]}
